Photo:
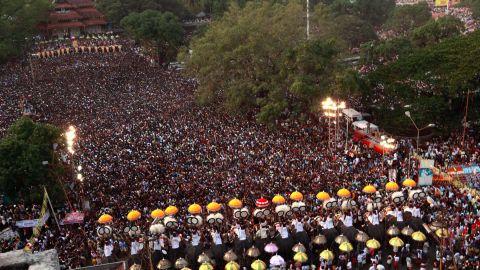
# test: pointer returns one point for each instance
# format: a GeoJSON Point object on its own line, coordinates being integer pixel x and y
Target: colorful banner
{"type": "Point", "coordinates": [425, 172]}
{"type": "Point", "coordinates": [30, 223]}
{"type": "Point", "coordinates": [72, 218]}
{"type": "Point", "coordinates": [8, 234]}
{"type": "Point", "coordinates": [464, 169]}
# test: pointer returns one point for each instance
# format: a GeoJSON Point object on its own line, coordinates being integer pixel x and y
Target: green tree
{"type": "Point", "coordinates": [215, 7]}
{"type": "Point", "coordinates": [385, 50]}
{"type": "Point", "coordinates": [408, 17]}
{"type": "Point", "coordinates": [255, 59]}
{"type": "Point", "coordinates": [18, 24]}
{"type": "Point", "coordinates": [116, 10]}
{"type": "Point", "coordinates": [24, 153]}
{"type": "Point", "coordinates": [341, 7]}
{"type": "Point", "coordinates": [434, 78]}
{"type": "Point", "coordinates": [437, 30]}
{"type": "Point", "coordinates": [375, 12]}
{"type": "Point", "coordinates": [353, 30]}
{"type": "Point", "coordinates": [159, 31]}
{"type": "Point", "coordinates": [348, 29]}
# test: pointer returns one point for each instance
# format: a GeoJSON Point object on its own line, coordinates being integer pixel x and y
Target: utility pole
{"type": "Point", "coordinates": [308, 19]}
{"type": "Point", "coordinates": [31, 67]}
{"type": "Point", "coordinates": [465, 118]}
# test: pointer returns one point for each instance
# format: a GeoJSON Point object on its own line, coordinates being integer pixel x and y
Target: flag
{"type": "Point", "coordinates": [36, 230]}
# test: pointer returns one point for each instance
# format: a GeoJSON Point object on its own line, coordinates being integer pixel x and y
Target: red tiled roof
{"type": "Point", "coordinates": [65, 25]}
{"type": "Point", "coordinates": [63, 5]}
{"type": "Point", "coordinates": [70, 15]}
{"type": "Point", "coordinates": [89, 12]}
{"type": "Point", "coordinates": [91, 22]}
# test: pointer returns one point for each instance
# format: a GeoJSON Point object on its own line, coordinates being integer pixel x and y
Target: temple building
{"type": "Point", "coordinates": [73, 18]}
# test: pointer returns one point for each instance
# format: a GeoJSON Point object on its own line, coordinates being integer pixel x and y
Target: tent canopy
{"type": "Point", "coordinates": [364, 124]}
{"type": "Point", "coordinates": [352, 114]}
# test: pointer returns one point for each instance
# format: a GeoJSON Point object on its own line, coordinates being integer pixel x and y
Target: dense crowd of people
{"type": "Point", "coordinates": [144, 143]}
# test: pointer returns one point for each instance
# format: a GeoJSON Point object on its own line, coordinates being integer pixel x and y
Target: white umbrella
{"type": "Point", "coordinates": [271, 248]}
{"type": "Point", "coordinates": [277, 260]}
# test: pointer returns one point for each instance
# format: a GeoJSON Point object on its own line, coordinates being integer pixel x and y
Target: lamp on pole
{"type": "Point", "coordinates": [387, 144]}
{"type": "Point", "coordinates": [407, 113]}
{"type": "Point", "coordinates": [331, 110]}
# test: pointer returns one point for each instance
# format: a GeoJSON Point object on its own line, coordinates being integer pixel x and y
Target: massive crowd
{"type": "Point", "coordinates": [143, 143]}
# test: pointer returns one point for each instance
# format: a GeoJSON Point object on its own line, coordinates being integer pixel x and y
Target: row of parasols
{"type": "Point", "coordinates": [88, 36]}
{"type": "Point", "coordinates": [235, 203]}
{"type": "Point", "coordinates": [300, 255]}
{"type": "Point", "coordinates": [81, 49]}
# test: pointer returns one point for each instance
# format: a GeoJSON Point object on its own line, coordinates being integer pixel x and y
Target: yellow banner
{"type": "Point", "coordinates": [441, 3]}
{"type": "Point", "coordinates": [38, 228]}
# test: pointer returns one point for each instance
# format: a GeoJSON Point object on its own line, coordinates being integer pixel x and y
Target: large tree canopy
{"type": "Point", "coordinates": [408, 17]}
{"type": "Point", "coordinates": [256, 58]}
{"type": "Point", "coordinates": [18, 21]}
{"type": "Point", "coordinates": [28, 162]}
{"type": "Point", "coordinates": [434, 79]}
{"type": "Point", "coordinates": [160, 31]}
{"type": "Point", "coordinates": [116, 10]}
{"type": "Point", "coordinates": [342, 21]}
{"type": "Point", "coordinates": [375, 12]}
{"type": "Point", "coordinates": [437, 30]}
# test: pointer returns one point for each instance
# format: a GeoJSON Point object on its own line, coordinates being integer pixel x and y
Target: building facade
{"type": "Point", "coordinates": [73, 18]}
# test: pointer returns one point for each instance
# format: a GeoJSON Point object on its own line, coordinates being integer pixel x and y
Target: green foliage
{"type": "Point", "coordinates": [22, 153]}
{"type": "Point", "coordinates": [385, 50]}
{"type": "Point", "coordinates": [215, 7]}
{"type": "Point", "coordinates": [352, 22]}
{"type": "Point", "coordinates": [375, 12]}
{"type": "Point", "coordinates": [434, 78]}
{"type": "Point", "coordinates": [18, 22]}
{"type": "Point", "coordinates": [353, 30]}
{"type": "Point", "coordinates": [256, 59]}
{"type": "Point", "coordinates": [408, 17]}
{"type": "Point", "coordinates": [161, 31]}
{"type": "Point", "coordinates": [437, 30]}
{"type": "Point", "coordinates": [348, 29]}
{"type": "Point", "coordinates": [116, 10]}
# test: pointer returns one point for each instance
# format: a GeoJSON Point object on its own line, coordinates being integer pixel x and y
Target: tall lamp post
{"type": "Point", "coordinates": [331, 110]}
{"type": "Point", "coordinates": [387, 144]}
{"type": "Point", "coordinates": [407, 113]}
{"type": "Point", "coordinates": [308, 20]}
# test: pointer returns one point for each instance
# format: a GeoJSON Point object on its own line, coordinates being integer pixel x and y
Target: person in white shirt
{"type": "Point", "coordinates": [107, 251]}
{"type": "Point", "coordinates": [347, 220]}
{"type": "Point", "coordinates": [217, 247]}
{"type": "Point", "coordinates": [240, 232]}
{"type": "Point", "coordinates": [373, 218]}
{"type": "Point", "coordinates": [328, 223]}
{"type": "Point", "coordinates": [175, 241]}
{"type": "Point", "coordinates": [399, 215]}
{"type": "Point", "coordinates": [159, 249]}
{"type": "Point", "coordinates": [135, 247]}
{"type": "Point", "coordinates": [195, 246]}
{"type": "Point", "coordinates": [416, 212]}
{"type": "Point", "coordinates": [298, 225]}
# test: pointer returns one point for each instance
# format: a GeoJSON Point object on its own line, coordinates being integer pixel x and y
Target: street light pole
{"type": "Point", "coordinates": [407, 113]}
{"type": "Point", "coordinates": [331, 110]}
{"type": "Point", "coordinates": [346, 133]}
{"type": "Point", "coordinates": [308, 19]}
